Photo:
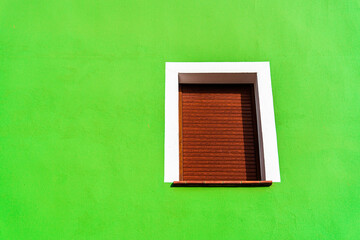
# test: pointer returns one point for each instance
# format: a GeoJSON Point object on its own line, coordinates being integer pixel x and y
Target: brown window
{"type": "Point", "coordinates": [218, 133]}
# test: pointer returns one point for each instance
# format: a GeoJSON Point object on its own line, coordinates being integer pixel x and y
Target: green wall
{"type": "Point", "coordinates": [82, 118]}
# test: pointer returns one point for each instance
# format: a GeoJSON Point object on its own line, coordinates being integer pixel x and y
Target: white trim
{"type": "Point", "coordinates": [264, 104]}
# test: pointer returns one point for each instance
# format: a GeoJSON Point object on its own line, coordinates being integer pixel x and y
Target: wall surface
{"type": "Point", "coordinates": [82, 118]}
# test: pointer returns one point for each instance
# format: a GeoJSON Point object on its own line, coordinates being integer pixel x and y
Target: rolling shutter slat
{"type": "Point", "coordinates": [219, 160]}
{"type": "Point", "coordinates": [238, 177]}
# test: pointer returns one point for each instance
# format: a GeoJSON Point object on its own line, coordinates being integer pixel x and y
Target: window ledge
{"type": "Point", "coordinates": [221, 184]}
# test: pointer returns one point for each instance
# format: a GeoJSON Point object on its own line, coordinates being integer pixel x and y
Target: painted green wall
{"type": "Point", "coordinates": [82, 118]}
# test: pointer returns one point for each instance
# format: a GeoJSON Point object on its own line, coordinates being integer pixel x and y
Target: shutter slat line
{"type": "Point", "coordinates": [210, 167]}
{"type": "Point", "coordinates": [214, 118]}
{"type": "Point", "coordinates": [217, 171]}
{"type": "Point", "coordinates": [218, 148]}
{"type": "Point", "coordinates": [219, 160]}
{"type": "Point", "coordinates": [239, 177]}
{"type": "Point", "coordinates": [222, 155]}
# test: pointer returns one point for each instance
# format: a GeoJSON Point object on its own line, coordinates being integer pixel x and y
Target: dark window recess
{"type": "Point", "coordinates": [218, 133]}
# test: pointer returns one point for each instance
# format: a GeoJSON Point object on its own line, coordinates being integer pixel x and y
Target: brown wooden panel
{"type": "Point", "coordinates": [218, 132]}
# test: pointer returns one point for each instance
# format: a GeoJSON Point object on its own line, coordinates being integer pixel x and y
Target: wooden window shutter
{"type": "Point", "coordinates": [218, 133]}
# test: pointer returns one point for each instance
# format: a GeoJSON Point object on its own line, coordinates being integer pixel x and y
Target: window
{"type": "Point", "coordinates": [218, 132]}
{"type": "Point", "coordinates": [219, 123]}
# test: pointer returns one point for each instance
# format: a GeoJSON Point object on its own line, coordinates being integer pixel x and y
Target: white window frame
{"type": "Point", "coordinates": [268, 151]}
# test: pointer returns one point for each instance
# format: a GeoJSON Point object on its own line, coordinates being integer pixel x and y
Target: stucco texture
{"type": "Point", "coordinates": [82, 118]}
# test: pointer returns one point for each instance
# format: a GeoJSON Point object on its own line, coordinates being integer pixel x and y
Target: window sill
{"type": "Point", "coordinates": [221, 184]}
